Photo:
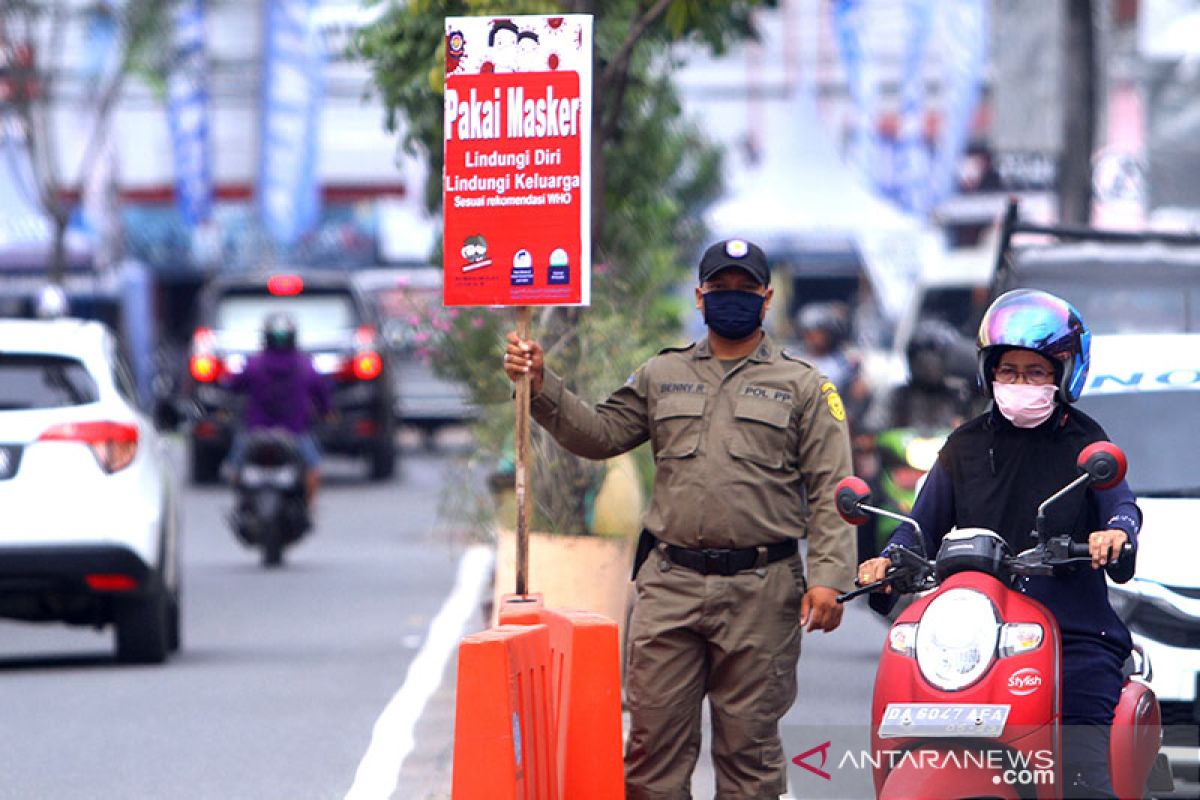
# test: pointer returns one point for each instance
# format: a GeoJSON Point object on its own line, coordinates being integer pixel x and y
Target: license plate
{"type": "Point", "coordinates": [956, 720]}
{"type": "Point", "coordinates": [10, 459]}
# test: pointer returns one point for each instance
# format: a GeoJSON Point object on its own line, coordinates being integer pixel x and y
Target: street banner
{"type": "Point", "coordinates": [188, 113]}
{"type": "Point", "coordinates": [293, 73]}
{"type": "Point", "coordinates": [905, 163]}
{"type": "Point", "coordinates": [516, 189]}
{"type": "Point", "coordinates": [963, 45]}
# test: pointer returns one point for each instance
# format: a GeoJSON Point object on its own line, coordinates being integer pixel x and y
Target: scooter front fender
{"type": "Point", "coordinates": [930, 774]}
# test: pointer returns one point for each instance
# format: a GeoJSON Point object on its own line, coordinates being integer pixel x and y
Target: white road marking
{"type": "Point", "coordinates": [392, 737]}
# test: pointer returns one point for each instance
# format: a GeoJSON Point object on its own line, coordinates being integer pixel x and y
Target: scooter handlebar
{"type": "Point", "coordinates": [1081, 550]}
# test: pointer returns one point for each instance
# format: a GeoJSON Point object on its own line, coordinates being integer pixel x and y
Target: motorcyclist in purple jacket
{"type": "Point", "coordinates": [282, 390]}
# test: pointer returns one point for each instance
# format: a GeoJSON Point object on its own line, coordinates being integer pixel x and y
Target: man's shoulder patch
{"type": "Point", "coordinates": [833, 400]}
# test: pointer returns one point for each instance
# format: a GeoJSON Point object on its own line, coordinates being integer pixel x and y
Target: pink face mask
{"type": "Point", "coordinates": [1023, 404]}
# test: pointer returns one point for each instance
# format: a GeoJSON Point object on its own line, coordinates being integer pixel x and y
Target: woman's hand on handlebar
{"type": "Point", "coordinates": [874, 569]}
{"type": "Point", "coordinates": [1104, 546]}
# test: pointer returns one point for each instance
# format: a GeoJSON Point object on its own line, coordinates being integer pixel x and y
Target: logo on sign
{"type": "Point", "coordinates": [1024, 681]}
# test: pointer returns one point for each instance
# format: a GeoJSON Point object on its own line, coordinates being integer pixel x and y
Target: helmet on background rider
{"type": "Point", "coordinates": [1039, 321]}
{"type": "Point", "coordinates": [279, 332]}
{"type": "Point", "coordinates": [831, 318]}
{"type": "Point", "coordinates": [930, 352]}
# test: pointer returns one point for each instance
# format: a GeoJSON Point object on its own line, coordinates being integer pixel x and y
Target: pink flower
{"type": "Point", "coordinates": [477, 323]}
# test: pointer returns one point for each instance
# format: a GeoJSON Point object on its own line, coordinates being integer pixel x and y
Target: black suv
{"type": "Point", "coordinates": [336, 327]}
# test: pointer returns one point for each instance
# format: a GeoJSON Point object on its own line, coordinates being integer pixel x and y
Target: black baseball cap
{"type": "Point", "coordinates": [735, 253]}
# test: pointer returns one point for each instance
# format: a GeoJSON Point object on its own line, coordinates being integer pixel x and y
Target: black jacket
{"type": "Point", "coordinates": [991, 474]}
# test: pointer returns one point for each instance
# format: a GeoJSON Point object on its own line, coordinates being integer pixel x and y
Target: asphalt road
{"type": "Point", "coordinates": [282, 676]}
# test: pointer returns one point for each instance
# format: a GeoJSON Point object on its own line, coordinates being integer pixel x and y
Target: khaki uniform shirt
{"type": "Point", "coordinates": [744, 457]}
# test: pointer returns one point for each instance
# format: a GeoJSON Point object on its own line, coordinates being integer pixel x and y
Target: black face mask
{"type": "Point", "coordinates": [733, 314]}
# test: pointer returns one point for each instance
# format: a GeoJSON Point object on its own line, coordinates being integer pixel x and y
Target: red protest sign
{"type": "Point", "coordinates": [516, 186]}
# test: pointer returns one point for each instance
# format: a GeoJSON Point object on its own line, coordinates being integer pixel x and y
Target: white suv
{"type": "Point", "coordinates": [90, 535]}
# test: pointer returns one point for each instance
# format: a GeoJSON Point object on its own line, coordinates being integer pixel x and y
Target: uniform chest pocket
{"type": "Point", "coordinates": [678, 422]}
{"type": "Point", "coordinates": [760, 431]}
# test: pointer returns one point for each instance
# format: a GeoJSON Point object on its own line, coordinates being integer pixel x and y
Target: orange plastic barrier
{"type": "Point", "coordinates": [586, 687]}
{"type": "Point", "coordinates": [504, 747]}
{"type": "Point", "coordinates": [538, 712]}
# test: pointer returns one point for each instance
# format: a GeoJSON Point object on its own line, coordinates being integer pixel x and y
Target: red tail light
{"type": "Point", "coordinates": [205, 368]}
{"type": "Point", "coordinates": [114, 444]}
{"type": "Point", "coordinates": [285, 285]}
{"type": "Point", "coordinates": [204, 365]}
{"type": "Point", "coordinates": [110, 582]}
{"type": "Point", "coordinates": [367, 366]}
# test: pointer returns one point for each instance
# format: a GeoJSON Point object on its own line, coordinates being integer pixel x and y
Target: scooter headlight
{"type": "Point", "coordinates": [956, 638]}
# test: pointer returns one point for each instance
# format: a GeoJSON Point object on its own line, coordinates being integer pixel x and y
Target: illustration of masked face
{"type": "Point", "coordinates": [474, 249]}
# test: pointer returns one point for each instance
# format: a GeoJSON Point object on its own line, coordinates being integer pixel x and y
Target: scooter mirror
{"type": "Point", "coordinates": [850, 492]}
{"type": "Point", "coordinates": [1104, 463]}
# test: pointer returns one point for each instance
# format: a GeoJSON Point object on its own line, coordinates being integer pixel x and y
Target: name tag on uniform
{"type": "Point", "coordinates": [682, 388]}
{"type": "Point", "coordinates": [767, 393]}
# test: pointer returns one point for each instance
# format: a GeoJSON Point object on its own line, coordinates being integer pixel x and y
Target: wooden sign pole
{"type": "Point", "coordinates": [523, 496]}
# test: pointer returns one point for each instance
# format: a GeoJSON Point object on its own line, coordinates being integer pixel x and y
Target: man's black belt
{"type": "Point", "coordinates": [719, 561]}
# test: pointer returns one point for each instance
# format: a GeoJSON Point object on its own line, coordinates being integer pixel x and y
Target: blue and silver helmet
{"type": "Point", "coordinates": [1038, 321]}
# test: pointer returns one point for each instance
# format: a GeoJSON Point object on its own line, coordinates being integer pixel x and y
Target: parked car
{"type": "Point", "coordinates": [337, 327]}
{"type": "Point", "coordinates": [409, 304]}
{"type": "Point", "coordinates": [90, 534]}
{"type": "Point", "coordinates": [1145, 390]}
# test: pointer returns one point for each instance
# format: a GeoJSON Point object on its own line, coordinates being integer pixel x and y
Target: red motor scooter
{"type": "Point", "coordinates": [967, 697]}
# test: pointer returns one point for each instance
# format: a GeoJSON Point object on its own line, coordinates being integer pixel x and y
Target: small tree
{"type": "Point", "coordinates": [33, 61]}
{"type": "Point", "coordinates": [652, 174]}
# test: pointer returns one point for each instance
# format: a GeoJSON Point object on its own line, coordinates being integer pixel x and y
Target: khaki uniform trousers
{"type": "Point", "coordinates": [735, 638]}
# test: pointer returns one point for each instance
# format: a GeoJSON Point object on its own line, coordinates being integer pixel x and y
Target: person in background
{"type": "Point", "coordinates": [824, 330]}
{"type": "Point", "coordinates": [283, 390]}
{"type": "Point", "coordinates": [935, 397]}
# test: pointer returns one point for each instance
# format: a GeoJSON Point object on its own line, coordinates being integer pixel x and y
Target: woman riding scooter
{"type": "Point", "coordinates": [992, 473]}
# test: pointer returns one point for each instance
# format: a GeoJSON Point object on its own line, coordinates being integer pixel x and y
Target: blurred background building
{"type": "Point", "coordinates": [866, 138]}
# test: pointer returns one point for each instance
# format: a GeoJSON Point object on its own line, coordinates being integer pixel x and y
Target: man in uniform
{"type": "Point", "coordinates": [749, 443]}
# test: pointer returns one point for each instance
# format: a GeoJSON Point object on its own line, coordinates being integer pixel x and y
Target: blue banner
{"type": "Point", "coordinates": [188, 114]}
{"type": "Point", "coordinates": [288, 192]}
{"type": "Point", "coordinates": [900, 158]}
{"type": "Point", "coordinates": [911, 190]}
{"type": "Point", "coordinates": [963, 48]}
{"type": "Point", "coordinates": [849, 22]}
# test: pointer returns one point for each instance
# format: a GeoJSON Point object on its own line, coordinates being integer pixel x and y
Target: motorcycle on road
{"type": "Point", "coordinates": [967, 691]}
{"type": "Point", "coordinates": [270, 509]}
